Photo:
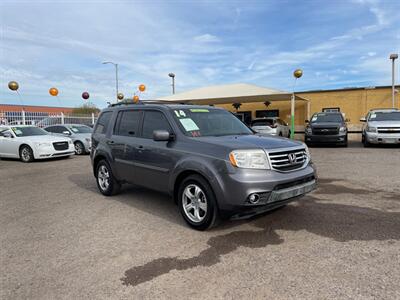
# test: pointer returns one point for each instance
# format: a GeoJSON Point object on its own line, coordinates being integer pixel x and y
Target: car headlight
{"type": "Point", "coordinates": [308, 130]}
{"type": "Point", "coordinates": [43, 144]}
{"type": "Point", "coordinates": [307, 152]}
{"type": "Point", "coordinates": [371, 129]}
{"type": "Point", "coordinates": [343, 129]}
{"type": "Point", "coordinates": [249, 159]}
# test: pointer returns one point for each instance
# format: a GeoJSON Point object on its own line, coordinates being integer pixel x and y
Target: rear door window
{"type": "Point", "coordinates": [128, 123]}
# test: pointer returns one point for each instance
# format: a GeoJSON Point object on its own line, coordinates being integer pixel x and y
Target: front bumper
{"type": "Point", "coordinates": [321, 139]}
{"type": "Point", "coordinates": [49, 152]}
{"type": "Point", "coordinates": [381, 138]}
{"type": "Point", "coordinates": [273, 188]}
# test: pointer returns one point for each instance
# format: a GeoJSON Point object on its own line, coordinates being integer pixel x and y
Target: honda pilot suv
{"type": "Point", "coordinates": [382, 126]}
{"type": "Point", "coordinates": [210, 162]}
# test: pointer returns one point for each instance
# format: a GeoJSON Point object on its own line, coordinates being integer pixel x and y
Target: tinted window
{"type": "Point", "coordinates": [56, 129]}
{"type": "Point", "coordinates": [128, 122]}
{"type": "Point", "coordinates": [102, 122]}
{"type": "Point", "coordinates": [266, 122]}
{"type": "Point", "coordinates": [154, 120]}
{"type": "Point", "coordinates": [28, 131]}
{"type": "Point", "coordinates": [385, 116]}
{"type": "Point", "coordinates": [334, 118]}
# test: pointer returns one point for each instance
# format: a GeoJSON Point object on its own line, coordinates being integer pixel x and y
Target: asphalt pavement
{"type": "Point", "coordinates": [61, 239]}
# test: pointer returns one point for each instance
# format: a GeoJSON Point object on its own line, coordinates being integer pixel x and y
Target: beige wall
{"type": "Point", "coordinates": [353, 103]}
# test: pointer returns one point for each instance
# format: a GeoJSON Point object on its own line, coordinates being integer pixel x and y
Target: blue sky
{"type": "Point", "coordinates": [62, 44]}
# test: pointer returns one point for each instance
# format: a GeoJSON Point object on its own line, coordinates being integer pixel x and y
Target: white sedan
{"type": "Point", "coordinates": [29, 142]}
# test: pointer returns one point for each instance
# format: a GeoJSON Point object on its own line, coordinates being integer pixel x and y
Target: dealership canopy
{"type": "Point", "coordinates": [230, 93]}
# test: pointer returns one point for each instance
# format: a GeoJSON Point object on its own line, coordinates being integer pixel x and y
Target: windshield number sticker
{"type": "Point", "coordinates": [189, 124]}
{"type": "Point", "coordinates": [373, 116]}
{"type": "Point", "coordinates": [313, 119]}
{"type": "Point", "coordinates": [182, 113]}
{"type": "Point", "coordinates": [16, 131]}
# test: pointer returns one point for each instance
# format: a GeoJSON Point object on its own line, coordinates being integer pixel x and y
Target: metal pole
{"type": "Point", "coordinates": [393, 94]}
{"type": "Point", "coordinates": [173, 85]}
{"type": "Point", "coordinates": [116, 79]}
{"type": "Point", "coordinates": [292, 111]}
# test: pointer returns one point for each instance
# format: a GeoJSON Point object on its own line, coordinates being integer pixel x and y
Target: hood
{"type": "Point", "coordinates": [250, 141]}
{"type": "Point", "coordinates": [384, 123]}
{"type": "Point", "coordinates": [45, 138]}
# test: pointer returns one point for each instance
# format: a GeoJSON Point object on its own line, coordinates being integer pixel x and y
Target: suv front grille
{"type": "Point", "coordinates": [60, 146]}
{"type": "Point", "coordinates": [288, 160]}
{"type": "Point", "coordinates": [325, 131]}
{"type": "Point", "coordinates": [388, 129]}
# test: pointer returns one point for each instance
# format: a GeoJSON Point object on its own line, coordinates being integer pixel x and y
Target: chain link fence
{"type": "Point", "coordinates": [43, 119]}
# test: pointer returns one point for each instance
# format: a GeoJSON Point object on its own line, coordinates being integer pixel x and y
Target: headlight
{"type": "Point", "coordinates": [371, 129]}
{"type": "Point", "coordinates": [343, 129]}
{"type": "Point", "coordinates": [307, 152]}
{"type": "Point", "coordinates": [43, 144]}
{"type": "Point", "coordinates": [249, 159]}
{"type": "Point", "coordinates": [308, 130]}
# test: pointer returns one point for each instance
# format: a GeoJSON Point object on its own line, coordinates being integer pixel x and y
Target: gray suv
{"type": "Point", "coordinates": [382, 126]}
{"type": "Point", "coordinates": [204, 157]}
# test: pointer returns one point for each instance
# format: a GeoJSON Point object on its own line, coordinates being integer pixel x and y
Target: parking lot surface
{"type": "Point", "coordinates": [61, 239]}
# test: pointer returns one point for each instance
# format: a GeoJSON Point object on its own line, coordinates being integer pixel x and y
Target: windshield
{"type": "Point", "coordinates": [197, 122]}
{"type": "Point", "coordinates": [28, 131]}
{"type": "Point", "coordinates": [385, 116]}
{"type": "Point", "coordinates": [266, 122]}
{"type": "Point", "coordinates": [333, 118]}
{"type": "Point", "coordinates": [80, 129]}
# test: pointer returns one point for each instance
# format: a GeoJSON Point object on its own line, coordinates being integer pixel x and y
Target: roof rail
{"type": "Point", "coordinates": [130, 102]}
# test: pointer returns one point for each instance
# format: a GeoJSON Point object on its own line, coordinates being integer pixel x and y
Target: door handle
{"type": "Point", "coordinates": [110, 142]}
{"type": "Point", "coordinates": [140, 147]}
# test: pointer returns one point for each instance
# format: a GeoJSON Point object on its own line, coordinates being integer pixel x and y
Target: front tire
{"type": "Point", "coordinates": [365, 142]}
{"type": "Point", "coordinates": [79, 148]}
{"type": "Point", "coordinates": [26, 154]}
{"type": "Point", "coordinates": [106, 182]}
{"type": "Point", "coordinates": [197, 203]}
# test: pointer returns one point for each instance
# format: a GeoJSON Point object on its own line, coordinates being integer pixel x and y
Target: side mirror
{"type": "Point", "coordinates": [347, 120]}
{"type": "Point", "coordinates": [66, 132]}
{"type": "Point", "coordinates": [7, 135]}
{"type": "Point", "coordinates": [363, 120]}
{"type": "Point", "coordinates": [162, 135]}
{"type": "Point", "coordinates": [306, 121]}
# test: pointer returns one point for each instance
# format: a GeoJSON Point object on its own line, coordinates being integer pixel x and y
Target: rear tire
{"type": "Point", "coordinates": [106, 182]}
{"type": "Point", "coordinates": [26, 154]}
{"type": "Point", "coordinates": [197, 203]}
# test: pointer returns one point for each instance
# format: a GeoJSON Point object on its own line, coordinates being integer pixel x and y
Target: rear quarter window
{"type": "Point", "coordinates": [103, 122]}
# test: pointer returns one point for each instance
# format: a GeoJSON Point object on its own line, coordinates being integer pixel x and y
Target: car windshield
{"type": "Point", "coordinates": [329, 118]}
{"type": "Point", "coordinates": [266, 122]}
{"type": "Point", "coordinates": [197, 122]}
{"type": "Point", "coordinates": [28, 131]}
{"type": "Point", "coordinates": [80, 129]}
{"type": "Point", "coordinates": [385, 116]}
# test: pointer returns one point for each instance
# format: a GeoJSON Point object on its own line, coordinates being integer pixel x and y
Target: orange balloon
{"type": "Point", "coordinates": [135, 99]}
{"type": "Point", "coordinates": [142, 87]}
{"type": "Point", "coordinates": [53, 91]}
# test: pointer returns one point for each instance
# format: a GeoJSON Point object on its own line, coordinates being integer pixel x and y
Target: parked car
{"type": "Point", "coordinates": [382, 126]}
{"type": "Point", "coordinates": [326, 128]}
{"type": "Point", "coordinates": [272, 126]}
{"type": "Point", "coordinates": [207, 159]}
{"type": "Point", "coordinates": [29, 143]}
{"type": "Point", "coordinates": [80, 135]}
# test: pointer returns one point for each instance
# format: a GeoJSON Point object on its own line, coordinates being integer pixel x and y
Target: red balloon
{"type": "Point", "coordinates": [85, 95]}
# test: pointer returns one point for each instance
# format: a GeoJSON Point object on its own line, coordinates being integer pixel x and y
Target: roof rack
{"type": "Point", "coordinates": [130, 102]}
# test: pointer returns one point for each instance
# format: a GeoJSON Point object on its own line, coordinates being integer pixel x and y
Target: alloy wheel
{"type": "Point", "coordinates": [103, 177]}
{"type": "Point", "coordinates": [194, 203]}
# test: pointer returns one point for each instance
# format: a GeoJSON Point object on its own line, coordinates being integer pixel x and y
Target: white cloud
{"type": "Point", "coordinates": [206, 38]}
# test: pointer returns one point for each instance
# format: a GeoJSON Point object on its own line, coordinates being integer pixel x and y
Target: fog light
{"type": "Point", "coordinates": [254, 198]}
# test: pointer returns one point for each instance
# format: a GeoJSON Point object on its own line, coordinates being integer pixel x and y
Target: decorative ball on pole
{"type": "Point", "coordinates": [53, 91]}
{"type": "Point", "coordinates": [120, 96]}
{"type": "Point", "coordinates": [85, 95]}
{"type": "Point", "coordinates": [13, 85]}
{"type": "Point", "coordinates": [135, 99]}
{"type": "Point", "coordinates": [142, 87]}
{"type": "Point", "coordinates": [298, 73]}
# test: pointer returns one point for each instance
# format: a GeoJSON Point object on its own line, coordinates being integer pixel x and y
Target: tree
{"type": "Point", "coordinates": [86, 109]}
